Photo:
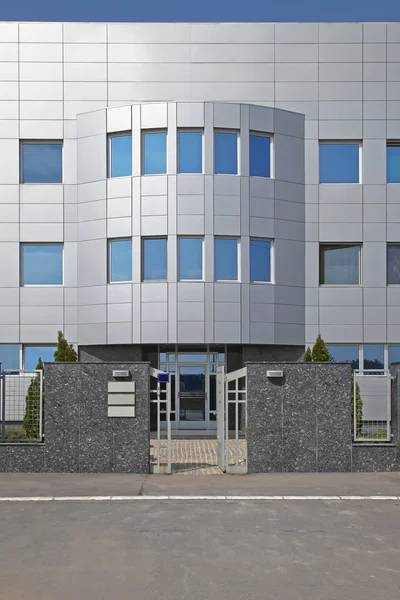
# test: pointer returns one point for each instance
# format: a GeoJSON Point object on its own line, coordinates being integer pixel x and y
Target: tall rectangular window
{"type": "Point", "coordinates": [260, 155]}
{"type": "Point", "coordinates": [154, 152]}
{"type": "Point", "coordinates": [260, 260]}
{"type": "Point", "coordinates": [41, 264]}
{"type": "Point", "coordinates": [120, 155]}
{"type": "Point", "coordinates": [340, 264]}
{"type": "Point", "coordinates": [33, 353]}
{"type": "Point", "coordinates": [154, 259]}
{"type": "Point", "coordinates": [190, 152]}
{"type": "Point", "coordinates": [393, 162]}
{"type": "Point", "coordinates": [226, 259]}
{"type": "Point", "coordinates": [226, 152]}
{"type": "Point", "coordinates": [393, 264]}
{"type": "Point", "coordinates": [120, 260]}
{"type": "Point", "coordinates": [374, 356]}
{"type": "Point", "coordinates": [41, 162]}
{"type": "Point", "coordinates": [190, 258]}
{"type": "Point", "coordinates": [9, 356]}
{"type": "Point", "coordinates": [339, 162]}
{"type": "Point", "coordinates": [393, 355]}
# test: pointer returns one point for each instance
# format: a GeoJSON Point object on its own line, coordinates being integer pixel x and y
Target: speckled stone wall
{"type": "Point", "coordinates": [301, 422]}
{"type": "Point", "coordinates": [79, 436]}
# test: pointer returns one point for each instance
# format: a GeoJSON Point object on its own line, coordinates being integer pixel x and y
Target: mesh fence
{"type": "Point", "coordinates": [21, 400]}
{"type": "Point", "coordinates": [371, 406]}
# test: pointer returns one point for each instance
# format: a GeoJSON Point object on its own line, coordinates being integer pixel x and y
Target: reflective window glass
{"type": "Point", "coordinates": [339, 163]}
{"type": "Point", "coordinates": [9, 356]}
{"type": "Point", "coordinates": [226, 259]}
{"type": "Point", "coordinates": [121, 155]}
{"type": "Point", "coordinates": [344, 354]}
{"type": "Point", "coordinates": [393, 354]}
{"type": "Point", "coordinates": [154, 152]}
{"type": "Point", "coordinates": [192, 358]}
{"type": "Point", "coordinates": [374, 356]}
{"type": "Point", "coordinates": [190, 258]}
{"type": "Point", "coordinates": [393, 163]}
{"type": "Point", "coordinates": [340, 264]}
{"type": "Point", "coordinates": [33, 353]}
{"type": "Point", "coordinates": [260, 155]}
{"type": "Point", "coordinates": [41, 264]}
{"type": "Point", "coordinates": [41, 162]}
{"type": "Point", "coordinates": [226, 152]}
{"type": "Point", "coordinates": [393, 264]}
{"type": "Point", "coordinates": [190, 150]}
{"type": "Point", "coordinates": [120, 260]}
{"type": "Point", "coordinates": [260, 260]}
{"type": "Point", "coordinates": [154, 259]}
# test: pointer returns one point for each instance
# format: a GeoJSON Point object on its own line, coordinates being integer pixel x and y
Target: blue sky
{"type": "Point", "coordinates": [200, 10]}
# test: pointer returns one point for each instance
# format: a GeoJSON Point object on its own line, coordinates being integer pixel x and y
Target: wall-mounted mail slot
{"type": "Point", "coordinates": [121, 387]}
{"type": "Point", "coordinates": [122, 411]}
{"type": "Point", "coordinates": [121, 399]}
{"type": "Point", "coordinates": [274, 373]}
{"type": "Point", "coordinates": [120, 374]}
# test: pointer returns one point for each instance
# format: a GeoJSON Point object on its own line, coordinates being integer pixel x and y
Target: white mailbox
{"type": "Point", "coordinates": [121, 398]}
{"type": "Point", "coordinates": [274, 374]}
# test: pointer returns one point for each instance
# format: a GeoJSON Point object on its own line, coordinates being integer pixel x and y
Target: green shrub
{"type": "Point", "coordinates": [320, 352]}
{"type": "Point", "coordinates": [359, 410]}
{"type": "Point", "coordinates": [32, 406]}
{"type": "Point", "coordinates": [307, 355]}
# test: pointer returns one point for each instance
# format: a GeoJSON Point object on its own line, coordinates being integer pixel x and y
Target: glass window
{"type": "Point", "coordinates": [41, 264]}
{"type": "Point", "coordinates": [393, 355]}
{"type": "Point", "coordinates": [226, 259]}
{"type": "Point", "coordinates": [154, 259]}
{"type": "Point", "coordinates": [33, 353]}
{"type": "Point", "coordinates": [190, 258]}
{"type": "Point", "coordinates": [9, 356]}
{"type": "Point", "coordinates": [260, 155]}
{"type": "Point", "coordinates": [121, 155]}
{"type": "Point", "coordinates": [374, 356]}
{"type": "Point", "coordinates": [393, 264]}
{"type": "Point", "coordinates": [339, 163]}
{"type": "Point", "coordinates": [154, 152]}
{"type": "Point", "coordinates": [120, 260]}
{"type": "Point", "coordinates": [190, 145]}
{"type": "Point", "coordinates": [340, 264]}
{"type": "Point", "coordinates": [393, 162]}
{"type": "Point", "coordinates": [260, 260]}
{"type": "Point", "coordinates": [344, 354]}
{"type": "Point", "coordinates": [41, 162]}
{"type": "Point", "coordinates": [226, 152]}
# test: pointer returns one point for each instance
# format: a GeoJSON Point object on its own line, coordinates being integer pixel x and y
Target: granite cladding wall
{"type": "Point", "coordinates": [79, 436]}
{"type": "Point", "coordinates": [302, 422]}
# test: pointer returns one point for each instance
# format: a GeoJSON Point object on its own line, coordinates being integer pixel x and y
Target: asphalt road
{"type": "Point", "coordinates": [203, 549]}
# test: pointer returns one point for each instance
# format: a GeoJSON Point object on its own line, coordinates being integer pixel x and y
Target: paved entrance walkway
{"type": "Point", "coordinates": [194, 456]}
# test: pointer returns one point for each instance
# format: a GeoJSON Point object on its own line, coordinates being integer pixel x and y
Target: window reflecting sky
{"type": "Point", "coordinates": [393, 264]}
{"type": "Point", "coordinates": [42, 265]}
{"type": "Point", "coordinates": [340, 265]}
{"type": "Point", "coordinates": [260, 156]}
{"type": "Point", "coordinates": [9, 356]}
{"type": "Point", "coordinates": [154, 259]}
{"type": "Point", "coordinates": [41, 163]}
{"type": "Point", "coordinates": [225, 151]}
{"type": "Point", "coordinates": [373, 356]}
{"type": "Point", "coordinates": [344, 354]}
{"type": "Point", "coordinates": [339, 163]}
{"type": "Point", "coordinates": [260, 260]}
{"type": "Point", "coordinates": [121, 155]}
{"type": "Point", "coordinates": [154, 153]}
{"type": "Point", "coordinates": [33, 353]}
{"type": "Point", "coordinates": [226, 259]}
{"type": "Point", "coordinates": [121, 260]}
{"type": "Point", "coordinates": [190, 152]}
{"type": "Point", "coordinates": [393, 164]}
{"type": "Point", "coordinates": [190, 258]}
{"type": "Point", "coordinates": [393, 354]}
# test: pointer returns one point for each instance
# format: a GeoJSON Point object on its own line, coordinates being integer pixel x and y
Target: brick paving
{"type": "Point", "coordinates": [194, 456]}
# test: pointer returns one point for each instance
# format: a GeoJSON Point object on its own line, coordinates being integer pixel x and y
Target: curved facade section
{"type": "Point", "coordinates": [254, 212]}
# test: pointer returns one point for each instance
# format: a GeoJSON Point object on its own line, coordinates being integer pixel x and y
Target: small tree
{"type": "Point", "coordinates": [359, 410]}
{"type": "Point", "coordinates": [65, 352]}
{"type": "Point", "coordinates": [32, 406]}
{"type": "Point", "coordinates": [307, 355]}
{"type": "Point", "coordinates": [320, 352]}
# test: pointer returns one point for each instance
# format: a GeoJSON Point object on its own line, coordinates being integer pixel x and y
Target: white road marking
{"type": "Point", "coordinates": [189, 498]}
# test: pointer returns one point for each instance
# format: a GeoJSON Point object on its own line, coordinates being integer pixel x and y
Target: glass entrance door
{"type": "Point", "coordinates": [192, 397]}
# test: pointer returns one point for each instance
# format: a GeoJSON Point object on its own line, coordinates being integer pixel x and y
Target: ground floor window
{"type": "Point", "coordinates": [369, 356]}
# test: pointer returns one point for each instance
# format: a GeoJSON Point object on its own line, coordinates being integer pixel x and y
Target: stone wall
{"type": "Point", "coordinates": [107, 353]}
{"type": "Point", "coordinates": [79, 436]}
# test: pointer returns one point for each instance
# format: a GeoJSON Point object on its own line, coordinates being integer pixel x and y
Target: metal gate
{"type": "Point", "coordinates": [372, 405]}
{"type": "Point", "coordinates": [160, 422]}
{"type": "Point", "coordinates": [232, 420]}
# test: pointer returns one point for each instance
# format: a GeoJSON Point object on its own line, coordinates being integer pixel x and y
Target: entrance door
{"type": "Point", "coordinates": [192, 397]}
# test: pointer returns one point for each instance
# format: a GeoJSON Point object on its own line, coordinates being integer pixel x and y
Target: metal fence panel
{"type": "Point", "coordinates": [372, 405]}
{"type": "Point", "coordinates": [22, 405]}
